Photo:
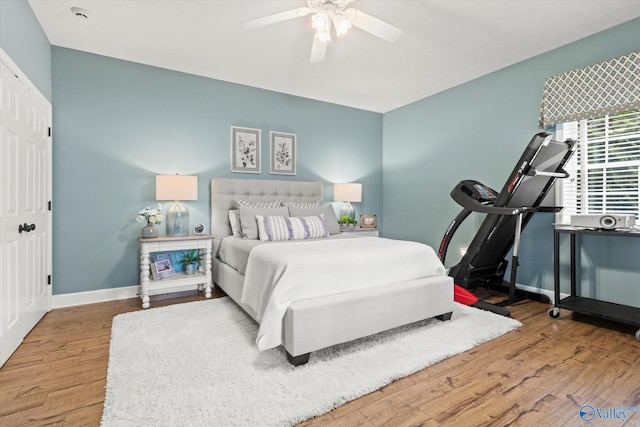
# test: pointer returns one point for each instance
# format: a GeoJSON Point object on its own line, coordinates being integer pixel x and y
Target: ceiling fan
{"type": "Point", "coordinates": [324, 15]}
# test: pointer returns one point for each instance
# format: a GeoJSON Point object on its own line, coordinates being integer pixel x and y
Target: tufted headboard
{"type": "Point", "coordinates": [224, 192]}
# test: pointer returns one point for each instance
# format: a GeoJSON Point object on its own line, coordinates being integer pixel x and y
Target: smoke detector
{"type": "Point", "coordinates": [80, 12]}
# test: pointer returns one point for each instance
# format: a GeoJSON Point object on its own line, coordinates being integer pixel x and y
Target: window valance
{"type": "Point", "coordinates": [603, 88]}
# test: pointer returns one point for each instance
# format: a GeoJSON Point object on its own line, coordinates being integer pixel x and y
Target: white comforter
{"type": "Point", "coordinates": [277, 275]}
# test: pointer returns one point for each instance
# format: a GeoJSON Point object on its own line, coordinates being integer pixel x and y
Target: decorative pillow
{"type": "Point", "coordinates": [277, 228]}
{"type": "Point", "coordinates": [272, 228]}
{"type": "Point", "coordinates": [316, 204]}
{"type": "Point", "coordinates": [248, 204]}
{"type": "Point", "coordinates": [248, 222]}
{"type": "Point", "coordinates": [316, 226]}
{"type": "Point", "coordinates": [297, 228]}
{"type": "Point", "coordinates": [328, 212]}
{"type": "Point", "coordinates": [234, 220]}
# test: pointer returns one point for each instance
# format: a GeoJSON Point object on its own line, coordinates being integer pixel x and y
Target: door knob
{"type": "Point", "coordinates": [26, 227]}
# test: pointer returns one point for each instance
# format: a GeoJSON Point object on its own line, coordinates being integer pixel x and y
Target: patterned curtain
{"type": "Point", "coordinates": [603, 88]}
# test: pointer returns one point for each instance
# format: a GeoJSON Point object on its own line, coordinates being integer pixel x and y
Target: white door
{"type": "Point", "coordinates": [25, 217]}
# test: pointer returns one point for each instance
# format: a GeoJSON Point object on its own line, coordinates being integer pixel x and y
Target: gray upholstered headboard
{"type": "Point", "coordinates": [224, 192]}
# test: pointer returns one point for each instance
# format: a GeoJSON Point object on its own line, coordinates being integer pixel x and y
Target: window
{"type": "Point", "coordinates": [604, 171]}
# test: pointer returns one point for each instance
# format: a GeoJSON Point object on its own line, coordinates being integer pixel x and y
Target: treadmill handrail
{"type": "Point", "coordinates": [476, 206]}
{"type": "Point", "coordinates": [559, 174]}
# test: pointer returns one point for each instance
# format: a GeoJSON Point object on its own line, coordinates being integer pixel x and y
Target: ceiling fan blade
{"type": "Point", "coordinates": [374, 26]}
{"type": "Point", "coordinates": [318, 50]}
{"type": "Point", "coordinates": [278, 17]}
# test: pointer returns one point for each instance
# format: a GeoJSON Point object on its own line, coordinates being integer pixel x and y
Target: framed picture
{"type": "Point", "coordinates": [282, 153]}
{"type": "Point", "coordinates": [245, 150]}
{"type": "Point", "coordinates": [368, 221]}
{"type": "Point", "coordinates": [162, 265]}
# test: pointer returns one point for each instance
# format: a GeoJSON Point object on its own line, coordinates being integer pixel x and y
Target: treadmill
{"type": "Point", "coordinates": [508, 212]}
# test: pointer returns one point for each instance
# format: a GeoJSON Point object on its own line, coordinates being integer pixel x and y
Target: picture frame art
{"type": "Point", "coordinates": [283, 153]}
{"type": "Point", "coordinates": [245, 150]}
{"type": "Point", "coordinates": [368, 221]}
{"type": "Point", "coordinates": [162, 265]}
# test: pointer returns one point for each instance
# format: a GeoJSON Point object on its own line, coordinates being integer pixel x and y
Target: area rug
{"type": "Point", "coordinates": [196, 364]}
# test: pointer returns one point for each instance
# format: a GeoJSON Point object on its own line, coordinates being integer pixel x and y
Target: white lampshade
{"type": "Point", "coordinates": [348, 192]}
{"type": "Point", "coordinates": [176, 187]}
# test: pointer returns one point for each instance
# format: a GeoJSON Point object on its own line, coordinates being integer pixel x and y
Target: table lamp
{"type": "Point", "coordinates": [176, 188]}
{"type": "Point", "coordinates": [347, 193]}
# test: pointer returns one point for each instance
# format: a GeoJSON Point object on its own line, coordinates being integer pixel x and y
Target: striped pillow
{"type": "Point", "coordinates": [316, 226]}
{"type": "Point", "coordinates": [272, 228]}
{"type": "Point", "coordinates": [297, 228]}
{"type": "Point", "coordinates": [278, 228]}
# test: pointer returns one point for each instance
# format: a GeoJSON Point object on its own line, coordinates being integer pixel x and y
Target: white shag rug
{"type": "Point", "coordinates": [196, 364]}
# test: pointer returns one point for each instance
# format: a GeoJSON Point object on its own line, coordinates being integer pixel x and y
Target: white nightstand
{"type": "Point", "coordinates": [365, 231]}
{"type": "Point", "coordinates": [181, 281]}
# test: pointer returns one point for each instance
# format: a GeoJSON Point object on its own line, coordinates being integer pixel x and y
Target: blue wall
{"type": "Point", "coordinates": [477, 131]}
{"type": "Point", "coordinates": [23, 40]}
{"type": "Point", "coordinates": [117, 124]}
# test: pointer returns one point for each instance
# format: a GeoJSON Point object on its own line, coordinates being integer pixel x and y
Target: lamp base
{"type": "Point", "coordinates": [347, 211]}
{"type": "Point", "coordinates": [177, 220]}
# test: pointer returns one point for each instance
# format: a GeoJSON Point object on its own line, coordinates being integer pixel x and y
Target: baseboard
{"type": "Point", "coordinates": [112, 294]}
{"type": "Point", "coordinates": [541, 291]}
{"type": "Point", "coordinates": [92, 297]}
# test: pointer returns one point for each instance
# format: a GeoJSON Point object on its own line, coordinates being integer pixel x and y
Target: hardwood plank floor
{"type": "Point", "coordinates": [539, 375]}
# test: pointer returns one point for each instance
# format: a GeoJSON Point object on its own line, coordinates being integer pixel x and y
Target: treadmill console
{"type": "Point", "coordinates": [477, 191]}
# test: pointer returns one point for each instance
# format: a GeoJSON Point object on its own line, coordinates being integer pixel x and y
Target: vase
{"type": "Point", "coordinates": [149, 231]}
{"type": "Point", "coordinates": [190, 268]}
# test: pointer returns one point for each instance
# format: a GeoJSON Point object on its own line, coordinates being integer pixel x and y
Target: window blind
{"type": "Point", "coordinates": [605, 170]}
{"type": "Point", "coordinates": [607, 87]}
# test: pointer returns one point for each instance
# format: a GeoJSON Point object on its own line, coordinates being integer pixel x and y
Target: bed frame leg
{"type": "Point", "coordinates": [446, 316]}
{"type": "Point", "coordinates": [298, 360]}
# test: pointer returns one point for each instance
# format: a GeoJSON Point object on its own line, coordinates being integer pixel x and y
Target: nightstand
{"type": "Point", "coordinates": [180, 281]}
{"type": "Point", "coordinates": [365, 231]}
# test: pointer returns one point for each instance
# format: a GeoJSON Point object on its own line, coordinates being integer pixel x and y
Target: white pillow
{"type": "Point", "coordinates": [234, 220]}
{"type": "Point", "coordinates": [248, 219]}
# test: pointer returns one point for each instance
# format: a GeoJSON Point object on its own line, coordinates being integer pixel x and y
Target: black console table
{"type": "Point", "coordinates": [593, 307]}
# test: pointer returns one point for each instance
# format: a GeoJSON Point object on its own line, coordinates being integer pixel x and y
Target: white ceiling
{"type": "Point", "coordinates": [445, 43]}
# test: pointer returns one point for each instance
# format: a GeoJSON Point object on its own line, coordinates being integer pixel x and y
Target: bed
{"type": "Point", "coordinates": [324, 287]}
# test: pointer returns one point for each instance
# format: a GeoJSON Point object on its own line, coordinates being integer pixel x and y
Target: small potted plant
{"type": "Point", "coordinates": [191, 261]}
{"type": "Point", "coordinates": [347, 223]}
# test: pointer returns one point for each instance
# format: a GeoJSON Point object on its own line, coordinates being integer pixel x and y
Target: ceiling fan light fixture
{"type": "Point", "coordinates": [320, 21]}
{"type": "Point", "coordinates": [341, 24]}
{"type": "Point", "coordinates": [323, 35]}
{"type": "Point", "coordinates": [325, 14]}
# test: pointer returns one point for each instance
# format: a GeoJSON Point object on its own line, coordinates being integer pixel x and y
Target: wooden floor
{"type": "Point", "coordinates": [539, 375]}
